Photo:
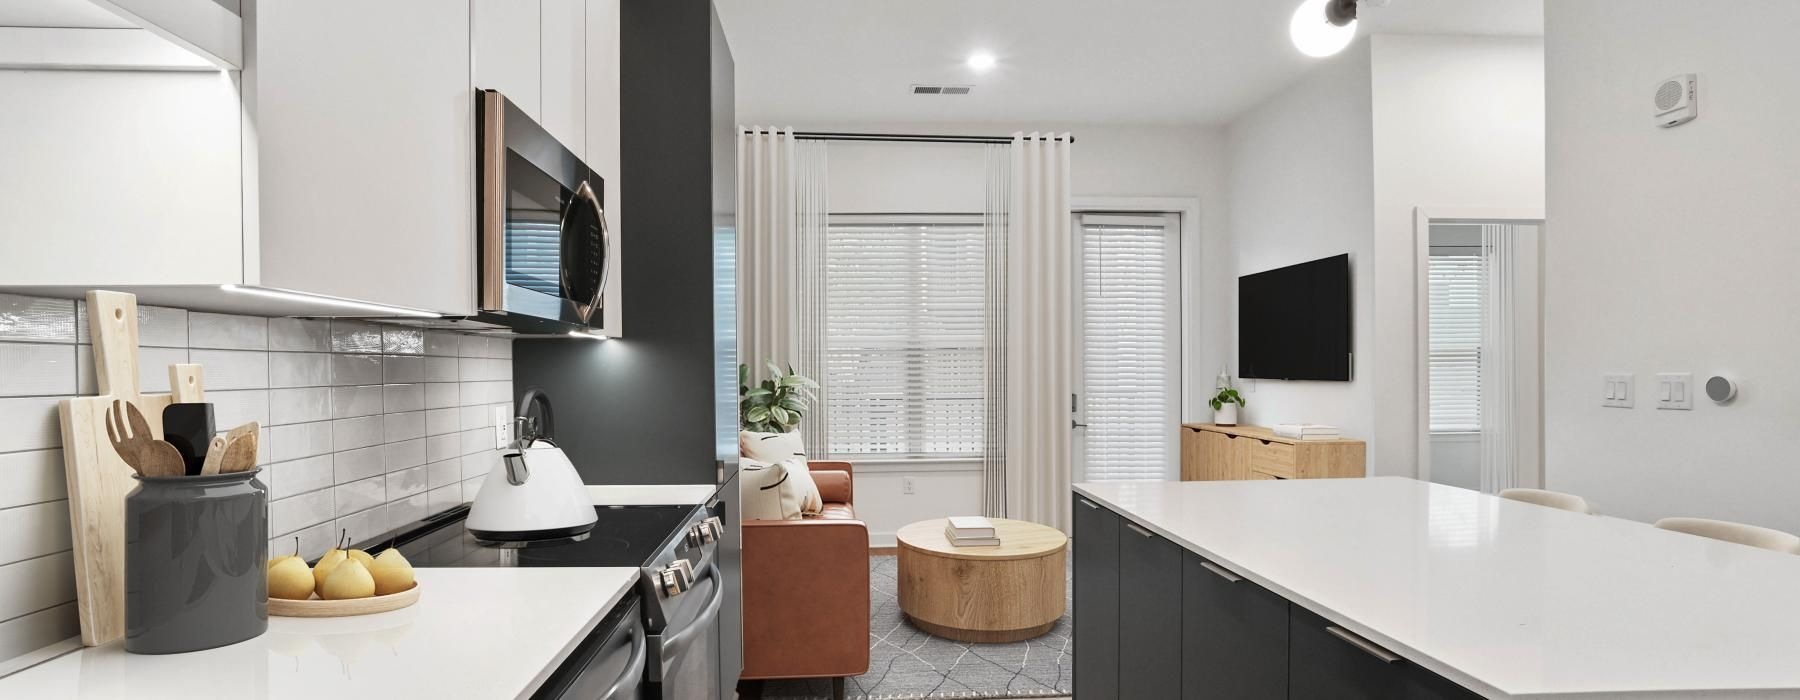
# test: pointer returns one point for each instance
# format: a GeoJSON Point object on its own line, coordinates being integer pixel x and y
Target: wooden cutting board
{"type": "Point", "coordinates": [98, 478]}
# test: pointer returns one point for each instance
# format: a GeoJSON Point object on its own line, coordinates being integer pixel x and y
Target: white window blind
{"type": "Point", "coordinates": [1130, 354]}
{"type": "Point", "coordinates": [1455, 281]}
{"type": "Point", "coordinates": [905, 347]}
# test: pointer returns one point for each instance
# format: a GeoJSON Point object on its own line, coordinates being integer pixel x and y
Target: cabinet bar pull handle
{"type": "Point", "coordinates": [1223, 572]}
{"type": "Point", "coordinates": [1139, 530]}
{"type": "Point", "coordinates": [1386, 656]}
{"type": "Point", "coordinates": [1085, 502]}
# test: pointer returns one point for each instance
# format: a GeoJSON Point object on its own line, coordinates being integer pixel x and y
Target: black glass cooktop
{"type": "Point", "coordinates": [623, 536]}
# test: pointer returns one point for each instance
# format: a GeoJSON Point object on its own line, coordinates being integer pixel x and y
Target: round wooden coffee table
{"type": "Point", "coordinates": [983, 594]}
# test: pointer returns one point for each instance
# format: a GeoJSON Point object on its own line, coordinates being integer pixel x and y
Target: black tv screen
{"type": "Point", "coordinates": [1294, 322]}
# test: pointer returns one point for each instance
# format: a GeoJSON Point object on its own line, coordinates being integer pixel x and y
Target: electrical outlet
{"type": "Point", "coordinates": [502, 428]}
{"type": "Point", "coordinates": [1618, 391]}
{"type": "Point", "coordinates": [906, 485]}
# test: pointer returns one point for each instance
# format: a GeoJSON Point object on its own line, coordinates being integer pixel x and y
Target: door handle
{"type": "Point", "coordinates": [585, 193]}
{"type": "Point", "coordinates": [1076, 424]}
{"type": "Point", "coordinates": [1134, 528]}
{"type": "Point", "coordinates": [1085, 502]}
{"type": "Point", "coordinates": [634, 668]}
{"type": "Point", "coordinates": [1222, 572]}
{"type": "Point", "coordinates": [1371, 648]}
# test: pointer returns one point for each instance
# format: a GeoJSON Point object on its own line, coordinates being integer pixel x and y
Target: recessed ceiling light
{"type": "Point", "coordinates": [1321, 28]}
{"type": "Point", "coordinates": [981, 60]}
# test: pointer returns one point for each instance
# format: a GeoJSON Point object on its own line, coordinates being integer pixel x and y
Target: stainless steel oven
{"type": "Point", "coordinates": [543, 238]}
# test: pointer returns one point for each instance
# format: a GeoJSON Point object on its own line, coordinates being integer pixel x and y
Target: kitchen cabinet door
{"type": "Point", "coordinates": [602, 150]}
{"type": "Point", "coordinates": [1326, 661]}
{"type": "Point", "coordinates": [1234, 635]}
{"type": "Point", "coordinates": [505, 36]}
{"type": "Point", "coordinates": [562, 57]}
{"type": "Point", "coordinates": [1096, 592]}
{"type": "Point", "coordinates": [1149, 614]}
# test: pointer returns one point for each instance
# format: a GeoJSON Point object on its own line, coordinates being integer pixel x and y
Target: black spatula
{"type": "Point", "coordinates": [188, 422]}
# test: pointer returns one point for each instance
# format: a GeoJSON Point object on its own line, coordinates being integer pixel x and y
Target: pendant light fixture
{"type": "Point", "coordinates": [1322, 28]}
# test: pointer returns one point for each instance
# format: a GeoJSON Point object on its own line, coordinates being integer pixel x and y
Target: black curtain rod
{"type": "Point", "coordinates": [903, 138]}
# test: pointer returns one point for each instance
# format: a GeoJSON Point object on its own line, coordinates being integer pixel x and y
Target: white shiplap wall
{"type": "Point", "coordinates": [366, 427]}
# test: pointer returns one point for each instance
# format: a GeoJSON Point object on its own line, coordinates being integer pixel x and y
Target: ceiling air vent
{"type": "Point", "coordinates": [941, 89]}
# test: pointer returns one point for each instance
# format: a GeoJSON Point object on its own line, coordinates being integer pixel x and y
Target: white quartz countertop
{"type": "Point", "coordinates": [1509, 599]}
{"type": "Point", "coordinates": [475, 633]}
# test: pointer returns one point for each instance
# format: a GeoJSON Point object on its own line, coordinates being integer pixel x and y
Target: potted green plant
{"type": "Point", "coordinates": [776, 404]}
{"type": "Point", "coordinates": [1225, 402]}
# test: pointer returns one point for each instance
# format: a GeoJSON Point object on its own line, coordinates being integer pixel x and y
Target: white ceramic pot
{"type": "Point", "coordinates": [1226, 415]}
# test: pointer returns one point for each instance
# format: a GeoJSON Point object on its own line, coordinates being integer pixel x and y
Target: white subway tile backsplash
{"type": "Point", "coordinates": [354, 401]}
{"type": "Point", "coordinates": [471, 488]}
{"type": "Point", "coordinates": [158, 326]}
{"type": "Point", "coordinates": [299, 369]}
{"type": "Point", "coordinates": [400, 398]}
{"type": "Point", "coordinates": [31, 424]}
{"type": "Point", "coordinates": [351, 433]}
{"type": "Point", "coordinates": [352, 465]}
{"type": "Point", "coordinates": [287, 406]}
{"type": "Point", "coordinates": [299, 476]}
{"type": "Point", "coordinates": [346, 406]}
{"type": "Point", "coordinates": [398, 340]}
{"type": "Point", "coordinates": [355, 336]}
{"type": "Point", "coordinates": [37, 369]}
{"type": "Point", "coordinates": [401, 455]}
{"type": "Point", "coordinates": [355, 369]}
{"type": "Point", "coordinates": [153, 369]}
{"type": "Point", "coordinates": [234, 408]}
{"type": "Point", "coordinates": [403, 369]}
{"type": "Point", "coordinates": [40, 319]}
{"type": "Point", "coordinates": [33, 531]}
{"type": "Point", "coordinates": [227, 332]}
{"type": "Point", "coordinates": [304, 510]}
{"type": "Point", "coordinates": [32, 477]}
{"type": "Point", "coordinates": [398, 427]}
{"type": "Point", "coordinates": [442, 395]}
{"type": "Point", "coordinates": [299, 440]}
{"type": "Point", "coordinates": [360, 495]}
{"type": "Point", "coordinates": [443, 498]}
{"type": "Point", "coordinates": [299, 334]}
{"type": "Point", "coordinates": [231, 369]}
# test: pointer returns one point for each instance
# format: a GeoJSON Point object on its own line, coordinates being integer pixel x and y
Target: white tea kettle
{"type": "Point", "coordinates": [533, 491]}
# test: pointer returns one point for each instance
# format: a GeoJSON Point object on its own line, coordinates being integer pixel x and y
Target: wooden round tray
{"type": "Point", "coordinates": [316, 607]}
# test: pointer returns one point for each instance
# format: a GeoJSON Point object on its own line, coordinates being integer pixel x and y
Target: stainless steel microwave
{"type": "Point", "coordinates": [543, 239]}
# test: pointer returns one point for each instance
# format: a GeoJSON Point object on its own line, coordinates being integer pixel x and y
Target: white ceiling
{"type": "Point", "coordinates": [822, 62]}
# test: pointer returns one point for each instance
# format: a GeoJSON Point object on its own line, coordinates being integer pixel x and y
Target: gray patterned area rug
{"type": "Point", "coordinates": [908, 664]}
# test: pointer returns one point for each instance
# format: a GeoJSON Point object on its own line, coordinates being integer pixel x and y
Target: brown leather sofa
{"type": "Point", "coordinates": [806, 589]}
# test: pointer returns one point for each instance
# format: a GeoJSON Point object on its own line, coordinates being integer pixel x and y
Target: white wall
{"type": "Point", "coordinates": [1300, 188]}
{"type": "Point", "coordinates": [1458, 122]}
{"type": "Point", "coordinates": [1672, 250]}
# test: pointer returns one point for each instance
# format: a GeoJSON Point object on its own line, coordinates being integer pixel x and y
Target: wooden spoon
{"type": "Point", "coordinates": [215, 456]}
{"type": "Point", "coordinates": [240, 452]}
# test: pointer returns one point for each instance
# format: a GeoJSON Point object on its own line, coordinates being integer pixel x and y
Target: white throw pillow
{"type": "Point", "coordinates": [780, 491]}
{"type": "Point", "coordinates": [771, 447]}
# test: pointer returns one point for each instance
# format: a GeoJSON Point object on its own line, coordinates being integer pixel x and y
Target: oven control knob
{"type": "Point", "coordinates": [694, 537]}
{"type": "Point", "coordinates": [717, 527]}
{"type": "Point", "coordinates": [677, 578]}
{"type": "Point", "coordinates": [708, 534]}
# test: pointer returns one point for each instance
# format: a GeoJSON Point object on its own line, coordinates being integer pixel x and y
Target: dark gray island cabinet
{"type": "Point", "coordinates": [1154, 620]}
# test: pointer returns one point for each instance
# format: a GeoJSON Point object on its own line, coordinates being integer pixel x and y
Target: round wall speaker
{"type": "Point", "coordinates": [1720, 389]}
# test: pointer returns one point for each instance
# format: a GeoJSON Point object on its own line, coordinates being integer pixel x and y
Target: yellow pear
{"type": "Point", "coordinates": [348, 580]}
{"type": "Point", "coordinates": [278, 560]}
{"type": "Point", "coordinates": [392, 572]}
{"type": "Point", "coordinates": [327, 563]}
{"type": "Point", "coordinates": [290, 579]}
{"type": "Point", "coordinates": [362, 556]}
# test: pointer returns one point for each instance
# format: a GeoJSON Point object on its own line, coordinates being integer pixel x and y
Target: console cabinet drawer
{"type": "Point", "coordinates": [1273, 458]}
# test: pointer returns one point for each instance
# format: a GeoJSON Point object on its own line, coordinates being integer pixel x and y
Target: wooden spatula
{"type": "Point", "coordinates": [240, 448]}
{"type": "Point", "coordinates": [137, 445]}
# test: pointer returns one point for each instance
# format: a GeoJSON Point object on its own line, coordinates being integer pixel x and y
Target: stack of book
{"type": "Point", "coordinates": [1308, 431]}
{"type": "Point", "coordinates": [971, 531]}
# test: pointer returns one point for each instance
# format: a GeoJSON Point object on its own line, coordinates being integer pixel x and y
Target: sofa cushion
{"type": "Point", "coordinates": [771, 447]}
{"type": "Point", "coordinates": [783, 490]}
{"type": "Point", "coordinates": [837, 511]}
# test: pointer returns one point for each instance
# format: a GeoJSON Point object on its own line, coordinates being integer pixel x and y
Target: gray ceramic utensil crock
{"type": "Point", "coordinates": [195, 554]}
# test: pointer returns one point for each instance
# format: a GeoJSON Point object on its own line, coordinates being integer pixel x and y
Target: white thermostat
{"type": "Point", "coordinates": [1677, 100]}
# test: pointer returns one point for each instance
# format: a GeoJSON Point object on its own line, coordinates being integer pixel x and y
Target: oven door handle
{"type": "Point", "coordinates": [625, 683]}
{"type": "Point", "coordinates": [672, 643]}
{"type": "Point", "coordinates": [585, 193]}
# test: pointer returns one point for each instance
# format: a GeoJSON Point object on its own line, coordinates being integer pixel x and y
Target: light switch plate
{"type": "Point", "coordinates": [502, 428]}
{"type": "Point", "coordinates": [1675, 391]}
{"type": "Point", "coordinates": [1618, 390]}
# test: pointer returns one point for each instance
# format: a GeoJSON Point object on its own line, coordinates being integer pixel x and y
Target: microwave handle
{"type": "Point", "coordinates": [585, 192]}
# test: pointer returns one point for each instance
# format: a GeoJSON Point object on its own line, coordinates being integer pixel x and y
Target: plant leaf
{"type": "Point", "coordinates": [759, 391]}
{"type": "Point", "coordinates": [792, 403]}
{"type": "Point", "coordinates": [780, 415]}
{"type": "Point", "coordinates": [757, 414]}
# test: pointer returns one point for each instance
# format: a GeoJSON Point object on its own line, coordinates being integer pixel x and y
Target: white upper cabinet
{"type": "Point", "coordinates": [364, 127]}
{"type": "Point", "coordinates": [602, 150]}
{"type": "Point", "coordinates": [507, 57]}
{"type": "Point", "coordinates": [562, 57]}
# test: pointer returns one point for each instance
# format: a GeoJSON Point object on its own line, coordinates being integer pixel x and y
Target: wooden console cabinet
{"type": "Point", "coordinates": [1221, 453]}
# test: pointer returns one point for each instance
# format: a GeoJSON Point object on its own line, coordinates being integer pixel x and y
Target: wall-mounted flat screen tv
{"type": "Point", "coordinates": [1294, 322]}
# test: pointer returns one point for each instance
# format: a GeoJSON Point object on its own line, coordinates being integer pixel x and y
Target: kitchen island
{"type": "Point", "coordinates": [1391, 587]}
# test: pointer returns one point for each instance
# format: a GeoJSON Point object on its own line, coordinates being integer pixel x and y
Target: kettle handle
{"type": "Point", "coordinates": [544, 427]}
